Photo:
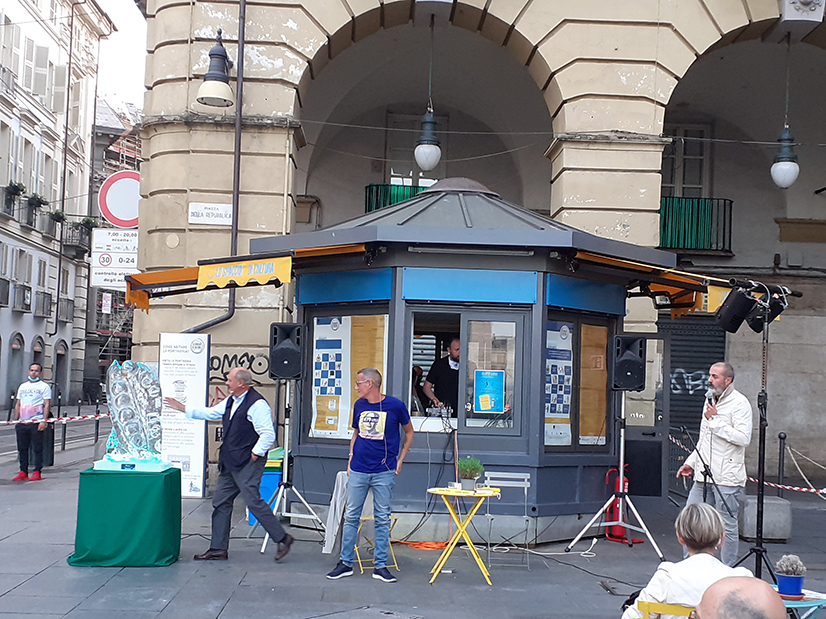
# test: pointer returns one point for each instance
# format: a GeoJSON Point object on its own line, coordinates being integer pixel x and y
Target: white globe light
{"type": "Point", "coordinates": [427, 156]}
{"type": "Point", "coordinates": [784, 173]}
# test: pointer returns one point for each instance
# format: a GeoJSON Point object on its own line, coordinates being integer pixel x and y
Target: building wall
{"type": "Point", "coordinates": [40, 105]}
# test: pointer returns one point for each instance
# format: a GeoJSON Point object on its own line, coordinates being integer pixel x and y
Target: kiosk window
{"type": "Point", "coordinates": [491, 363]}
{"type": "Point", "coordinates": [576, 382]}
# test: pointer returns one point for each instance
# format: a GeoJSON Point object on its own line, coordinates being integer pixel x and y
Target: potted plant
{"type": "Point", "coordinates": [790, 571]}
{"type": "Point", "coordinates": [36, 201]}
{"type": "Point", "coordinates": [89, 223]}
{"type": "Point", "coordinates": [58, 216]}
{"type": "Point", "coordinates": [15, 189]}
{"type": "Point", "coordinates": [469, 471]}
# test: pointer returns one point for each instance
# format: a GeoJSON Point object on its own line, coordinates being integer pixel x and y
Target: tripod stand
{"type": "Point", "coordinates": [285, 486]}
{"type": "Point", "coordinates": [621, 496]}
{"type": "Point", "coordinates": [707, 475]}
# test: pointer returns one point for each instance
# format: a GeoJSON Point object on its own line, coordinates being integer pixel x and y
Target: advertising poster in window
{"type": "Point", "coordinates": [559, 371]}
{"type": "Point", "coordinates": [183, 371]}
{"type": "Point", "coordinates": [343, 345]}
{"type": "Point", "coordinates": [593, 385]}
{"type": "Point", "coordinates": [489, 391]}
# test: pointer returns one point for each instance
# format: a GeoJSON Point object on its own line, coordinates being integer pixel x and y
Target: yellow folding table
{"type": "Point", "coordinates": [479, 495]}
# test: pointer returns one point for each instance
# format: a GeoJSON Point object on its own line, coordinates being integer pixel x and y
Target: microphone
{"type": "Point", "coordinates": [709, 396]}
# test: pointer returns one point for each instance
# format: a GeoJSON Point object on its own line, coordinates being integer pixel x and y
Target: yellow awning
{"type": "Point", "coordinates": [685, 292]}
{"type": "Point", "coordinates": [234, 272]}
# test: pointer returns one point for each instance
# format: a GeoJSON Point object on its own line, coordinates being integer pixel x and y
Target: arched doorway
{"type": "Point", "coordinates": [60, 377]}
{"type": "Point", "coordinates": [17, 362]}
{"type": "Point", "coordinates": [38, 350]}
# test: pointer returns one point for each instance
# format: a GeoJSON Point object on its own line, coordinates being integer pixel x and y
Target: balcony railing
{"type": "Point", "coordinates": [379, 195]}
{"type": "Point", "coordinates": [22, 298]}
{"type": "Point", "coordinates": [695, 224]}
{"type": "Point", "coordinates": [76, 240]}
{"type": "Point", "coordinates": [46, 224]}
{"type": "Point", "coordinates": [43, 304]}
{"type": "Point", "coordinates": [10, 203]}
{"type": "Point", "coordinates": [8, 80]}
{"type": "Point", "coordinates": [27, 215]}
{"type": "Point", "coordinates": [5, 291]}
{"type": "Point", "coordinates": [65, 310]}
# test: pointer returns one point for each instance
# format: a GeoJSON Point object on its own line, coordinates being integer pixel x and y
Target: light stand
{"type": "Point", "coordinates": [285, 486]}
{"type": "Point", "coordinates": [621, 496]}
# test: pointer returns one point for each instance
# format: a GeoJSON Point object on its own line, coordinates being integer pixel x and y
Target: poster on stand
{"type": "Point", "coordinates": [183, 371]}
{"type": "Point", "coordinates": [559, 371]}
{"type": "Point", "coordinates": [343, 345]}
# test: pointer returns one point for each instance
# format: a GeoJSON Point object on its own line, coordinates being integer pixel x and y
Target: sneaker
{"type": "Point", "coordinates": [36, 476]}
{"type": "Point", "coordinates": [21, 476]}
{"type": "Point", "coordinates": [341, 570]}
{"type": "Point", "coordinates": [383, 574]}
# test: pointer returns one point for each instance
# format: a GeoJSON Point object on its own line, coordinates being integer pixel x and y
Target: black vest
{"type": "Point", "coordinates": [239, 434]}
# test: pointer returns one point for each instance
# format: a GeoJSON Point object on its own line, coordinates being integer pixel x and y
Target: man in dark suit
{"type": "Point", "coordinates": [248, 435]}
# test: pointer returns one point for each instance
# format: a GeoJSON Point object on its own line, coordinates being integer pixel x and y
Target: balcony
{"type": "Point", "coordinates": [379, 195]}
{"type": "Point", "coordinates": [76, 240]}
{"type": "Point", "coordinates": [65, 310]}
{"type": "Point", "coordinates": [43, 304]}
{"type": "Point", "coordinates": [696, 225]}
{"type": "Point", "coordinates": [8, 81]}
{"type": "Point", "coordinates": [22, 301]}
{"type": "Point", "coordinates": [11, 203]}
{"type": "Point", "coordinates": [27, 215]}
{"type": "Point", "coordinates": [46, 224]}
{"type": "Point", "coordinates": [5, 290]}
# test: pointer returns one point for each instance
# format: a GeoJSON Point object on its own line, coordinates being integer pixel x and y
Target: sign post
{"type": "Point", "coordinates": [118, 198]}
{"type": "Point", "coordinates": [114, 255]}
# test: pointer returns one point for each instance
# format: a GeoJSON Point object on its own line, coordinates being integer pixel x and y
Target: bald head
{"type": "Point", "coordinates": [741, 597]}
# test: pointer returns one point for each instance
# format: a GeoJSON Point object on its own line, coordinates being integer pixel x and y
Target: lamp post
{"type": "Point", "coordinates": [428, 153]}
{"type": "Point", "coordinates": [785, 170]}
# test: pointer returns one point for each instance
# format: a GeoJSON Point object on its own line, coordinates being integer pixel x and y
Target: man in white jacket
{"type": "Point", "coordinates": [725, 432]}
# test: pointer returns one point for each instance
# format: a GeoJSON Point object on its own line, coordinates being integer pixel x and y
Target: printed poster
{"type": "Point", "coordinates": [183, 371]}
{"type": "Point", "coordinates": [559, 372]}
{"type": "Point", "coordinates": [489, 391]}
{"type": "Point", "coordinates": [343, 345]}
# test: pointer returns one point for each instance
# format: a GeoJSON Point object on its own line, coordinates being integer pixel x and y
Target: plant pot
{"type": "Point", "coordinates": [789, 585]}
{"type": "Point", "coordinates": [468, 484]}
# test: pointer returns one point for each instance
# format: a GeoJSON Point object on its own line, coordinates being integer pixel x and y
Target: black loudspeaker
{"type": "Point", "coordinates": [629, 363]}
{"type": "Point", "coordinates": [731, 314]}
{"type": "Point", "coordinates": [285, 350]}
{"type": "Point", "coordinates": [755, 317]}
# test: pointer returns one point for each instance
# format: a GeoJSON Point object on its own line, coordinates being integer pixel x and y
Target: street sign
{"type": "Point", "coordinates": [118, 199]}
{"type": "Point", "coordinates": [114, 255]}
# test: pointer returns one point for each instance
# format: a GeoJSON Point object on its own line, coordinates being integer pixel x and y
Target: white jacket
{"type": "Point", "coordinates": [723, 440]}
{"type": "Point", "coordinates": [684, 582]}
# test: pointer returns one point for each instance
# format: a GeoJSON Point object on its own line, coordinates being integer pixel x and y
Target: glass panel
{"type": "Point", "coordinates": [693, 147]}
{"type": "Point", "coordinates": [645, 408]}
{"type": "Point", "coordinates": [668, 170]}
{"type": "Point", "coordinates": [559, 370]}
{"type": "Point", "coordinates": [692, 171]}
{"type": "Point", "coordinates": [692, 192]}
{"type": "Point", "coordinates": [491, 365]}
{"type": "Point", "coordinates": [593, 385]}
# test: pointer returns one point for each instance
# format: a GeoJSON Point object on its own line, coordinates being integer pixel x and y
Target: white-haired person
{"type": "Point", "coordinates": [700, 529]}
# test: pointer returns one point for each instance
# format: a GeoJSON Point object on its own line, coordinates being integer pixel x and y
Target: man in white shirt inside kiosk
{"type": "Point", "coordinates": [248, 436]}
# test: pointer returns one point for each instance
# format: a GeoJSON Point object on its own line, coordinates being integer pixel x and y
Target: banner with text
{"type": "Point", "coordinates": [184, 375]}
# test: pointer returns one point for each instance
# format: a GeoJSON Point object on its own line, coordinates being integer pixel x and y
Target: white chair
{"type": "Point", "coordinates": [503, 480]}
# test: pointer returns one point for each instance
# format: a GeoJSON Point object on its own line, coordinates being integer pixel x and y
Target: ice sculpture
{"type": "Point", "coordinates": [134, 395]}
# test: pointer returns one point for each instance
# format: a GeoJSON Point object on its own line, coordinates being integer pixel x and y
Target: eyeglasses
{"type": "Point", "coordinates": [361, 382]}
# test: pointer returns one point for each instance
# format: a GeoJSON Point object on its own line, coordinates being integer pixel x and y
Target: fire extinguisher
{"type": "Point", "coordinates": [616, 533]}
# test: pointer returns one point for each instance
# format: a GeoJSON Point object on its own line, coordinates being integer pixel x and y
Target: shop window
{"type": "Point", "coordinates": [341, 346]}
{"type": "Point", "coordinates": [491, 364]}
{"type": "Point", "coordinates": [576, 382]}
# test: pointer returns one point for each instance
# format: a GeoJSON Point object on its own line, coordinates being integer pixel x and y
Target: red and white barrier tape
{"type": "Point", "coordinates": [765, 483]}
{"type": "Point", "coordinates": [57, 419]}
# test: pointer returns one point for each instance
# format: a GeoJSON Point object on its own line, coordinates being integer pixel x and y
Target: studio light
{"type": "Point", "coordinates": [215, 90]}
{"type": "Point", "coordinates": [734, 310]}
{"type": "Point", "coordinates": [428, 153]}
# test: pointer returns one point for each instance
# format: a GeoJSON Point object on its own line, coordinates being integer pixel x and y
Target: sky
{"type": "Point", "coordinates": [123, 55]}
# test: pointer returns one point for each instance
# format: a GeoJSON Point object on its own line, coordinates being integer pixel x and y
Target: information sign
{"type": "Point", "coordinates": [114, 255]}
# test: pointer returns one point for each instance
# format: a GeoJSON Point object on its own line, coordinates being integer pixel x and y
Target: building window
{"type": "Point", "coordinates": [576, 382]}
{"type": "Point", "coordinates": [64, 283]}
{"type": "Point", "coordinates": [22, 266]}
{"type": "Point", "coordinates": [686, 162]}
{"type": "Point", "coordinates": [42, 274]}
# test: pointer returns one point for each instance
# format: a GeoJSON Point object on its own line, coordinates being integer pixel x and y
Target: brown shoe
{"type": "Point", "coordinates": [213, 555]}
{"type": "Point", "coordinates": [284, 547]}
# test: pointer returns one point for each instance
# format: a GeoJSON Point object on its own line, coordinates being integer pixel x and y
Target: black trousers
{"type": "Point", "coordinates": [27, 434]}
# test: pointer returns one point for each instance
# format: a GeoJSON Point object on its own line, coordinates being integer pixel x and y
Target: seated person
{"type": "Point", "coordinates": [741, 598]}
{"type": "Point", "coordinates": [700, 529]}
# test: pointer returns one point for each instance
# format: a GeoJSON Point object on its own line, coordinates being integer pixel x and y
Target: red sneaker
{"type": "Point", "coordinates": [35, 476]}
{"type": "Point", "coordinates": [21, 476]}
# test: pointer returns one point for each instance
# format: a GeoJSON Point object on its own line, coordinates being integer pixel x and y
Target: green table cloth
{"type": "Point", "coordinates": [128, 519]}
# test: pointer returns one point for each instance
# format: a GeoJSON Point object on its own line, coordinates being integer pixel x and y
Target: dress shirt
{"type": "Point", "coordinates": [259, 414]}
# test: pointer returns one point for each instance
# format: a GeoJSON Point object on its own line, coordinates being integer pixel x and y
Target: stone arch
{"type": "Point", "coordinates": [599, 65]}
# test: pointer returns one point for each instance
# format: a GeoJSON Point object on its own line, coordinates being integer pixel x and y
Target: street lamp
{"type": "Point", "coordinates": [215, 90]}
{"type": "Point", "coordinates": [428, 153]}
{"type": "Point", "coordinates": [785, 169]}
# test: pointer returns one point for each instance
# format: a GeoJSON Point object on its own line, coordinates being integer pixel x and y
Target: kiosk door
{"type": "Point", "coordinates": [491, 374]}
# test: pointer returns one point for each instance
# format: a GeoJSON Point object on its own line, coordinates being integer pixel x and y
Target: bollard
{"type": "Point", "coordinates": [79, 402]}
{"type": "Point", "coordinates": [11, 408]}
{"type": "Point", "coordinates": [97, 421]}
{"type": "Point", "coordinates": [59, 402]}
{"type": "Point", "coordinates": [781, 462]}
{"type": "Point", "coordinates": [63, 438]}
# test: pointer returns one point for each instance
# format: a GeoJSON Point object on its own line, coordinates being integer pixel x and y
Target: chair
{"type": "Point", "coordinates": [509, 480]}
{"type": "Point", "coordinates": [663, 609]}
{"type": "Point", "coordinates": [369, 541]}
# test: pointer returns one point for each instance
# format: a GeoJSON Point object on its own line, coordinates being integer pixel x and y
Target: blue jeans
{"type": "Point", "coordinates": [357, 486]}
{"type": "Point", "coordinates": [731, 496]}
